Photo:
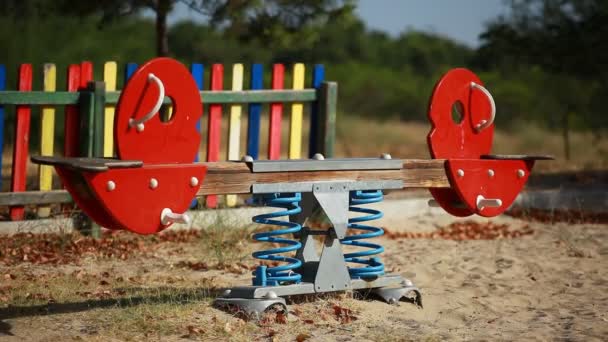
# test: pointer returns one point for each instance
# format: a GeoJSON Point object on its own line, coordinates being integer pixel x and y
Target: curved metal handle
{"type": "Point", "coordinates": [483, 124]}
{"type": "Point", "coordinates": [167, 216]}
{"type": "Point", "coordinates": [483, 202]}
{"type": "Point", "coordinates": [159, 102]}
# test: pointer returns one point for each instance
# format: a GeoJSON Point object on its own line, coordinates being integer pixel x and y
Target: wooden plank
{"type": "Point", "coordinates": [11, 97]}
{"type": "Point", "coordinates": [86, 111]}
{"type": "Point", "coordinates": [234, 130]}
{"type": "Point", "coordinates": [224, 97]}
{"type": "Point", "coordinates": [230, 177]}
{"type": "Point", "coordinates": [276, 113]}
{"type": "Point", "coordinates": [14, 97]}
{"type": "Point", "coordinates": [99, 102]}
{"type": "Point", "coordinates": [326, 125]}
{"type": "Point", "coordinates": [255, 111]}
{"type": "Point", "coordinates": [72, 117]}
{"type": "Point", "coordinates": [318, 76]}
{"type": "Point", "coordinates": [226, 177]}
{"type": "Point", "coordinates": [295, 130]}
{"type": "Point", "coordinates": [214, 125]}
{"type": "Point", "coordinates": [2, 87]}
{"type": "Point", "coordinates": [197, 71]}
{"type": "Point", "coordinates": [129, 70]}
{"type": "Point", "coordinates": [21, 144]}
{"type": "Point", "coordinates": [110, 70]}
{"type": "Point", "coordinates": [86, 74]}
{"type": "Point", "coordinates": [35, 197]}
{"type": "Point", "coordinates": [47, 135]}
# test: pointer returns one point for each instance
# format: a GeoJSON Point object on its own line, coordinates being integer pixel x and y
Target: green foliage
{"type": "Point", "coordinates": [534, 76]}
{"type": "Point", "coordinates": [559, 52]}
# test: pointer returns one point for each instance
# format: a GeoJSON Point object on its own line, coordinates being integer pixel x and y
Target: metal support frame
{"type": "Point", "coordinates": [325, 271]}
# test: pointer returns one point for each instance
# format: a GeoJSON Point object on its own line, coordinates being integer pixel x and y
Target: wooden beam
{"type": "Point", "coordinates": [227, 177]}
{"type": "Point", "coordinates": [237, 178]}
{"type": "Point", "coordinates": [34, 197]}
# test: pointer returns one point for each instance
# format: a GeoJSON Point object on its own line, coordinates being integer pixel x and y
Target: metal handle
{"type": "Point", "coordinates": [483, 124]}
{"type": "Point", "coordinates": [167, 216]}
{"type": "Point", "coordinates": [159, 102]}
{"type": "Point", "coordinates": [483, 202]}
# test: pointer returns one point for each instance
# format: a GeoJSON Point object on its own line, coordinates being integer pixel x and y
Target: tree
{"type": "Point", "coordinates": [566, 38]}
{"type": "Point", "coordinates": [266, 20]}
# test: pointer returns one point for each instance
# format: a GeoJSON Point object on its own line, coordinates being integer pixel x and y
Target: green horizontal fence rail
{"type": "Point", "coordinates": [92, 101]}
{"type": "Point", "coordinates": [209, 97]}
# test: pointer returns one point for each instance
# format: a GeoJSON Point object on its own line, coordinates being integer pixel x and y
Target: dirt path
{"type": "Point", "coordinates": [549, 285]}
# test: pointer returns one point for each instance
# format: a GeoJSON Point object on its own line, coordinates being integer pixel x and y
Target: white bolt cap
{"type": "Point", "coordinates": [460, 173]}
{"type": "Point", "coordinates": [386, 156]}
{"type": "Point", "coordinates": [110, 186]}
{"type": "Point", "coordinates": [153, 183]}
{"type": "Point", "coordinates": [520, 173]}
{"type": "Point", "coordinates": [247, 158]}
{"type": "Point", "coordinates": [491, 173]}
{"type": "Point", "coordinates": [318, 156]}
{"type": "Point", "coordinates": [193, 181]}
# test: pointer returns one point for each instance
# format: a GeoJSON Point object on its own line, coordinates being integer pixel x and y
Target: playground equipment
{"type": "Point", "coordinates": [153, 181]}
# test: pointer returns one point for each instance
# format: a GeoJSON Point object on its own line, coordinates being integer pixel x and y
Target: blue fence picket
{"type": "Point", "coordinates": [129, 70]}
{"type": "Point", "coordinates": [198, 72]}
{"type": "Point", "coordinates": [255, 111]}
{"type": "Point", "coordinates": [318, 76]}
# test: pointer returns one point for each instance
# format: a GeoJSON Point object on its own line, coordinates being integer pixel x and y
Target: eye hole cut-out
{"type": "Point", "coordinates": [165, 113]}
{"type": "Point", "coordinates": [457, 112]}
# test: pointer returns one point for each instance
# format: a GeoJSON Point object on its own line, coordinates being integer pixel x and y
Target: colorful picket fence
{"type": "Point", "coordinates": [89, 116]}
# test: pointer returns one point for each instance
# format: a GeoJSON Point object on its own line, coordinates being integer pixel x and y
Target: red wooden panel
{"type": "Point", "coordinates": [86, 74]}
{"type": "Point", "coordinates": [71, 125]}
{"type": "Point", "coordinates": [447, 138]}
{"type": "Point", "coordinates": [175, 141]}
{"type": "Point", "coordinates": [276, 113]}
{"type": "Point", "coordinates": [214, 125]}
{"type": "Point", "coordinates": [134, 204]}
{"type": "Point", "coordinates": [22, 137]}
{"type": "Point", "coordinates": [479, 179]}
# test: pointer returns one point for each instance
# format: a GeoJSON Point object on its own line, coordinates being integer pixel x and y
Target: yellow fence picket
{"type": "Point", "coordinates": [295, 130]}
{"type": "Point", "coordinates": [109, 77]}
{"type": "Point", "coordinates": [234, 132]}
{"type": "Point", "coordinates": [47, 134]}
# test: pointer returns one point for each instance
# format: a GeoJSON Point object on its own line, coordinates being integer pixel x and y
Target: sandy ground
{"type": "Point", "coordinates": [550, 285]}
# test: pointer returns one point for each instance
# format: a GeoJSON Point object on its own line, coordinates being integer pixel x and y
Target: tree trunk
{"type": "Point", "coordinates": [162, 41]}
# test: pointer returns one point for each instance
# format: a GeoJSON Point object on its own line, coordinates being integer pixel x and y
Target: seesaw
{"type": "Point", "coordinates": [153, 182]}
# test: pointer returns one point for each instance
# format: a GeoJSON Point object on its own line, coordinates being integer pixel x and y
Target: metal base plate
{"type": "Point", "coordinates": [254, 300]}
{"type": "Point", "coordinates": [249, 306]}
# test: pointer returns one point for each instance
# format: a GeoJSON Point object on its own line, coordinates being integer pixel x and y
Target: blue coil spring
{"type": "Point", "coordinates": [373, 267]}
{"type": "Point", "coordinates": [283, 274]}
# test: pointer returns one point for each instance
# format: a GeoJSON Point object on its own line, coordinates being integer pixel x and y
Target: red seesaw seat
{"type": "Point", "coordinates": [481, 183]}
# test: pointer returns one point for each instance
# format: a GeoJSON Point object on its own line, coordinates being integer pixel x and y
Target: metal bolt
{"type": "Point", "coordinates": [318, 156]}
{"type": "Point", "coordinates": [193, 181]}
{"type": "Point", "coordinates": [520, 173]}
{"type": "Point", "coordinates": [111, 186]}
{"type": "Point", "coordinates": [386, 156]}
{"type": "Point", "coordinates": [226, 293]}
{"type": "Point", "coordinates": [153, 183]}
{"type": "Point", "coordinates": [271, 294]}
{"type": "Point", "coordinates": [491, 173]}
{"type": "Point", "coordinates": [247, 159]}
{"type": "Point", "coordinates": [460, 173]}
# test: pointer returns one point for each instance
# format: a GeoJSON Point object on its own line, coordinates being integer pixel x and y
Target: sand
{"type": "Point", "coordinates": [550, 285]}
